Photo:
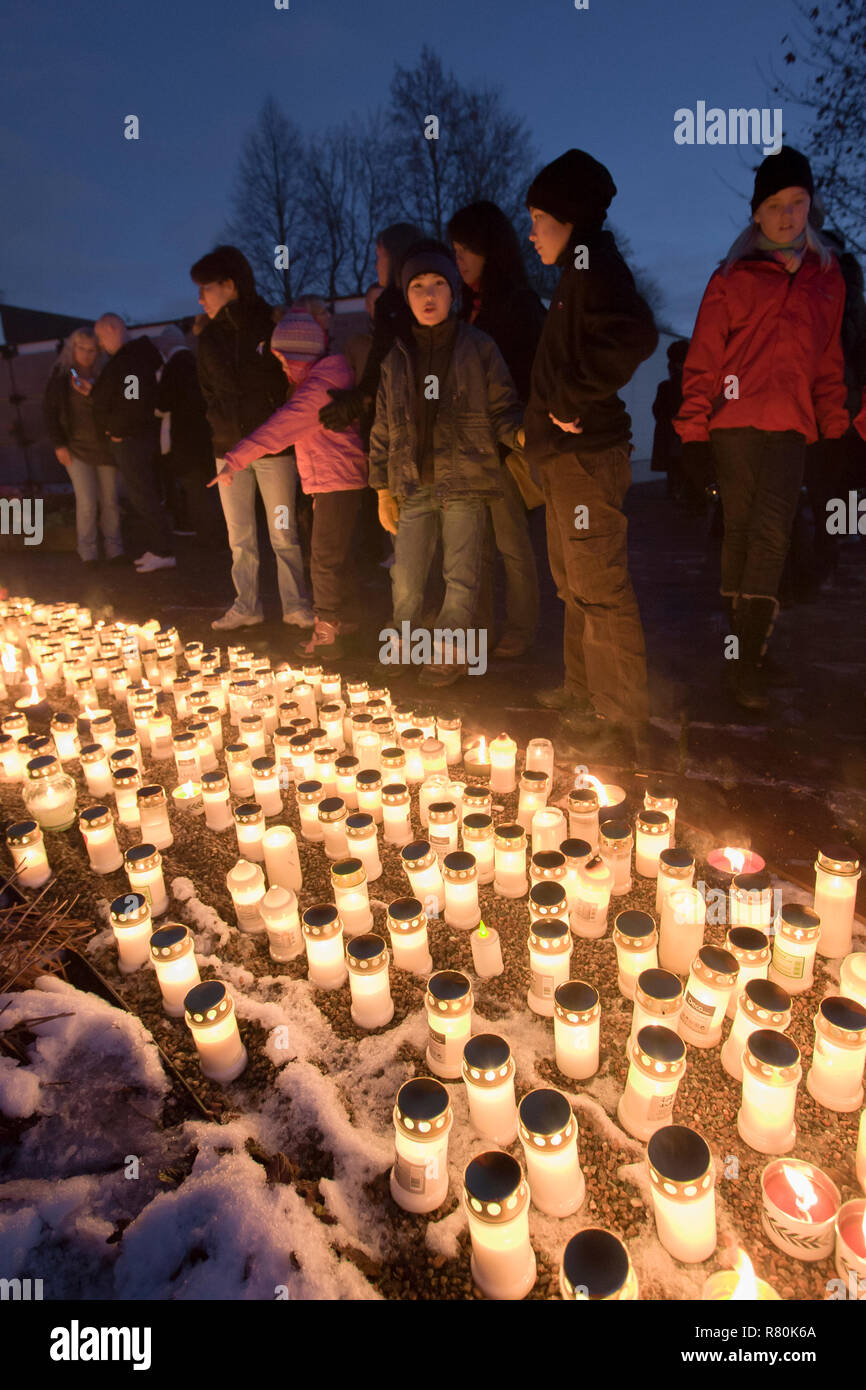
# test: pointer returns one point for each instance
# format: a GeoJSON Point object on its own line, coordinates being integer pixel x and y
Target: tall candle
{"type": "Point", "coordinates": [683, 1187]}
{"type": "Point", "coordinates": [712, 977]}
{"type": "Point", "coordinates": [94, 765]}
{"type": "Point", "coordinates": [550, 950]}
{"type": "Point", "coordinates": [835, 1077]}
{"type": "Point", "coordinates": [548, 1134]}
{"type": "Point", "coordinates": [215, 798]}
{"type": "Point", "coordinates": [421, 864]}
{"type": "Point", "coordinates": [576, 1027]}
{"type": "Point", "coordinates": [282, 861]}
{"type": "Point", "coordinates": [249, 820]}
{"type": "Point", "coordinates": [27, 846]}
{"type": "Point", "coordinates": [509, 846]}
{"type": "Point", "coordinates": [246, 883]}
{"type": "Point", "coordinates": [448, 1003]}
{"type": "Point", "coordinates": [266, 786]}
{"type": "Point", "coordinates": [349, 882]}
{"type": "Point", "coordinates": [636, 939]}
{"type": "Point", "coordinates": [462, 910]}
{"type": "Point", "coordinates": [210, 1016]}
{"type": "Point", "coordinates": [771, 1074]}
{"type": "Point", "coordinates": [657, 1062]}
{"type": "Point", "coordinates": [534, 791]}
{"type": "Point", "coordinates": [540, 756]}
{"type": "Point", "coordinates": [488, 1075]}
{"type": "Point", "coordinates": [172, 953]}
{"type": "Point", "coordinates": [363, 842]}
{"type": "Point", "coordinates": [478, 839]}
{"type": "Point", "coordinates": [323, 939]}
{"type": "Point", "coordinates": [144, 870]}
{"type": "Point", "coordinates": [681, 930]}
{"type": "Point", "coordinates": [496, 1203]}
{"type": "Point", "coordinates": [652, 835]}
{"type": "Point", "coordinates": [96, 824]}
{"type": "Point", "coordinates": [407, 928]}
{"type": "Point", "coordinates": [548, 829]}
{"type": "Point", "coordinates": [310, 795]}
{"type": "Point", "coordinates": [751, 950]}
{"type": "Point", "coordinates": [153, 816]}
{"type": "Point", "coordinates": [658, 1001]}
{"type": "Point", "coordinates": [396, 814]}
{"type": "Point", "coordinates": [279, 912]}
{"type": "Point", "coordinates": [588, 916]}
{"type": "Point", "coordinates": [422, 1122]}
{"type": "Point", "coordinates": [503, 757]}
{"type": "Point", "coordinates": [583, 815]}
{"type": "Point", "coordinates": [761, 1004]}
{"type": "Point", "coordinates": [132, 927]}
{"type": "Point", "coordinates": [837, 871]}
{"type": "Point", "coordinates": [615, 842]}
{"type": "Point", "coordinates": [486, 952]}
{"type": "Point", "coordinates": [367, 959]}
{"type": "Point", "coordinates": [448, 731]}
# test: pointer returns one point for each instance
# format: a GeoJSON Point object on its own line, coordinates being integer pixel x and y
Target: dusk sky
{"type": "Point", "coordinates": [92, 221]}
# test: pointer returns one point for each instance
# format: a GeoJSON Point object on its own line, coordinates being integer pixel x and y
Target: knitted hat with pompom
{"type": "Point", "coordinates": [299, 337]}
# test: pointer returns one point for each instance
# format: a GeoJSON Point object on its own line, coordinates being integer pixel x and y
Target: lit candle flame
{"type": "Point", "coordinates": [585, 779]}
{"type": "Point", "coordinates": [735, 857]}
{"type": "Point", "coordinates": [746, 1287]}
{"type": "Point", "coordinates": [479, 752]}
{"type": "Point", "coordinates": [482, 930]}
{"type": "Point", "coordinates": [32, 697]}
{"type": "Point", "coordinates": [9, 657]}
{"type": "Point", "coordinates": [805, 1195]}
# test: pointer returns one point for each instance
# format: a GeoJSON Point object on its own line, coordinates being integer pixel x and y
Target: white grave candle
{"type": "Point", "coordinates": [407, 927]}
{"type": "Point", "coordinates": [94, 765]}
{"type": "Point", "coordinates": [246, 883]}
{"type": "Point", "coordinates": [266, 786]}
{"type": "Point", "coordinates": [26, 843]}
{"type": "Point", "coordinates": [488, 1074]}
{"type": "Point", "coordinates": [837, 871]}
{"type": "Point", "coordinates": [835, 1077]}
{"type": "Point", "coordinates": [534, 791]}
{"type": "Point", "coordinates": [131, 924]}
{"type": "Point", "coordinates": [172, 951]}
{"type": "Point", "coordinates": [144, 870]}
{"type": "Point", "coordinates": [652, 835]}
{"type": "Point", "coordinates": [751, 950]}
{"type": "Point", "coordinates": [349, 882]}
{"type": "Point", "coordinates": [96, 824]}
{"type": "Point", "coordinates": [309, 796]}
{"type": "Point", "coordinates": [540, 756]}
{"type": "Point", "coordinates": [576, 1028]}
{"type": "Point", "coordinates": [282, 861]}
{"type": "Point", "coordinates": [367, 959]}
{"type": "Point", "coordinates": [615, 842]}
{"type": "Point", "coordinates": [681, 930]}
{"type": "Point", "coordinates": [249, 821]}
{"type": "Point", "coordinates": [761, 1005]}
{"type": "Point", "coordinates": [683, 1187]}
{"type": "Point", "coordinates": [548, 1134]}
{"type": "Point", "coordinates": [676, 870]}
{"type": "Point", "coordinates": [279, 910]}
{"type": "Point", "coordinates": [509, 845]}
{"type": "Point", "coordinates": [396, 814]}
{"type": "Point", "coordinates": [448, 1003]}
{"type": "Point", "coordinates": [486, 952]}
{"type": "Point", "coordinates": [658, 1001]}
{"type": "Point", "coordinates": [771, 1074]}
{"type": "Point", "coordinates": [323, 939]}
{"type": "Point", "coordinates": [363, 842]}
{"type": "Point", "coordinates": [657, 1062]}
{"type": "Point", "coordinates": [239, 769]}
{"type": "Point", "coordinates": [588, 917]}
{"type": "Point", "coordinates": [449, 731]}
{"type": "Point", "coordinates": [421, 865]}
{"type": "Point", "coordinates": [462, 910]}
{"type": "Point", "coordinates": [550, 950]}
{"type": "Point", "coordinates": [153, 816]}
{"type": "Point", "coordinates": [496, 1203]}
{"type": "Point", "coordinates": [712, 977]}
{"type": "Point", "coordinates": [548, 829]}
{"type": "Point", "coordinates": [503, 758]}
{"type": "Point", "coordinates": [422, 1121]}
{"type": "Point", "coordinates": [583, 815]}
{"type": "Point", "coordinates": [215, 798]}
{"type": "Point", "coordinates": [210, 1015]}
{"type": "Point", "coordinates": [368, 792]}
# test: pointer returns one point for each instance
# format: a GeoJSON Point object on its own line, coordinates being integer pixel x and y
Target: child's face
{"type": "Point", "coordinates": [429, 299]}
{"type": "Point", "coordinates": [548, 236]}
{"type": "Point", "coordinates": [782, 217]}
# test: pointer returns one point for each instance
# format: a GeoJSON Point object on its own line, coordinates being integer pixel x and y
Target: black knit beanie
{"type": "Point", "coordinates": [786, 169]}
{"type": "Point", "coordinates": [431, 259]}
{"type": "Point", "coordinates": [574, 188]}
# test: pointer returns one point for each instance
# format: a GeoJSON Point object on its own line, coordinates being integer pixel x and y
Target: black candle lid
{"type": "Point", "coordinates": [774, 1049]}
{"type": "Point", "coordinates": [320, 915]}
{"type": "Point", "coordinates": [679, 1153]}
{"type": "Point", "coordinates": [405, 909]}
{"type": "Point", "coordinates": [510, 831]}
{"type": "Point", "coordinates": [797, 915]}
{"type": "Point", "coordinates": [549, 859]}
{"type": "Point", "coordinates": [417, 849]}
{"type": "Point", "coordinates": [576, 996]}
{"type": "Point", "coordinates": [717, 959]}
{"type": "Point", "coordinates": [546, 894]}
{"type": "Point", "coordinates": [843, 1012]}
{"type": "Point", "coordinates": [486, 1052]}
{"type": "Point", "coordinates": [460, 861]}
{"type": "Point", "coordinates": [368, 777]}
{"type": "Point", "coordinates": [676, 858]}
{"type": "Point", "coordinates": [549, 928]}
{"type": "Point", "coordinates": [753, 883]}
{"type": "Point", "coordinates": [634, 922]}
{"type": "Point", "coordinates": [764, 994]}
{"type": "Point", "coordinates": [422, 1098]}
{"type": "Point", "coordinates": [366, 946]}
{"type": "Point", "coordinates": [346, 762]}
{"type": "Point", "coordinates": [449, 984]}
{"type": "Point", "coordinates": [597, 1261]}
{"type": "Point", "coordinates": [660, 984]}
{"type": "Point", "coordinates": [477, 820]}
{"type": "Point", "coordinates": [492, 1177]}
{"type": "Point", "coordinates": [747, 938]}
{"type": "Point", "coordinates": [346, 867]}
{"type": "Point", "coordinates": [615, 829]}
{"type": "Point", "coordinates": [661, 1044]}
{"type": "Point", "coordinates": [359, 820]}
{"type": "Point", "coordinates": [544, 1111]}
{"type": "Point", "coordinates": [575, 849]}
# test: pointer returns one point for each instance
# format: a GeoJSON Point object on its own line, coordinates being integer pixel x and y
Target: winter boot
{"type": "Point", "coordinates": [757, 617]}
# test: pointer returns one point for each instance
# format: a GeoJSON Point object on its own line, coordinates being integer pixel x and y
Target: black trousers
{"type": "Point", "coordinates": [760, 476]}
{"type": "Point", "coordinates": [334, 517]}
{"type": "Point", "coordinates": [136, 462]}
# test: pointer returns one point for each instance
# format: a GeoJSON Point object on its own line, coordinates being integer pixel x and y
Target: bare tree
{"type": "Point", "coordinates": [270, 206]}
{"type": "Point", "coordinates": [832, 68]}
{"type": "Point", "coordinates": [349, 202]}
{"type": "Point", "coordinates": [476, 149]}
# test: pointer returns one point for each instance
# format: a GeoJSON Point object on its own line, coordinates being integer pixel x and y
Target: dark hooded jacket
{"type": "Point", "coordinates": [241, 380]}
{"type": "Point", "coordinates": [597, 331]}
{"type": "Point", "coordinates": [116, 409]}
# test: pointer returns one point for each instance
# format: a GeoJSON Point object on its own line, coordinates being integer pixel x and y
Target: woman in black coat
{"type": "Point", "coordinates": [498, 299]}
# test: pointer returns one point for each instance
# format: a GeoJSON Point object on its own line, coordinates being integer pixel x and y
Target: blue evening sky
{"type": "Point", "coordinates": [92, 221]}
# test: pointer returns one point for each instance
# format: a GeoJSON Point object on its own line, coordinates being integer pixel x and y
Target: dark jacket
{"type": "Point", "coordinates": [666, 442]}
{"type": "Point", "coordinates": [514, 320]}
{"type": "Point", "coordinates": [597, 331]}
{"type": "Point", "coordinates": [178, 391]}
{"type": "Point", "coordinates": [115, 414]}
{"type": "Point", "coordinates": [478, 410]}
{"type": "Point", "coordinates": [241, 380]}
{"type": "Point", "coordinates": [70, 422]}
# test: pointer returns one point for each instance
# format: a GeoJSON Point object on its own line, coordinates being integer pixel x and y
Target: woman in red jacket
{"type": "Point", "coordinates": [763, 378]}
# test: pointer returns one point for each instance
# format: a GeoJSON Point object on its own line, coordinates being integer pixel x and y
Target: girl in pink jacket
{"type": "Point", "coordinates": [332, 466]}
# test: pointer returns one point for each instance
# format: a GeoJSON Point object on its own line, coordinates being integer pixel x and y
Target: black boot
{"type": "Point", "coordinates": [756, 617]}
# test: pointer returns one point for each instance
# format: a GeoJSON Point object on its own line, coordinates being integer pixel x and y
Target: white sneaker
{"type": "Point", "coordinates": [148, 561]}
{"type": "Point", "coordinates": [234, 618]}
{"type": "Point", "coordinates": [300, 617]}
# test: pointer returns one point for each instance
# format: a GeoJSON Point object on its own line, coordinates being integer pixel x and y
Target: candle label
{"type": "Point", "coordinates": [542, 985]}
{"type": "Point", "coordinates": [410, 1176]}
{"type": "Point", "coordinates": [438, 1046]}
{"type": "Point", "coordinates": [587, 910]}
{"type": "Point", "coordinates": [249, 917]}
{"type": "Point", "coordinates": [785, 964]}
{"type": "Point", "coordinates": [660, 1105]}
{"type": "Point", "coordinates": [145, 890]}
{"type": "Point", "coordinates": [699, 1014]}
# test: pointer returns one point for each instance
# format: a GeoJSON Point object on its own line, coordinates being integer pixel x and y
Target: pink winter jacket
{"type": "Point", "coordinates": [328, 461]}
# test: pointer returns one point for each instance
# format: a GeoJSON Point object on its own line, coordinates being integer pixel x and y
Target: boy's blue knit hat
{"type": "Point", "coordinates": [431, 260]}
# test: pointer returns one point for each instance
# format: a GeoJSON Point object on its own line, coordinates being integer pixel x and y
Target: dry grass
{"type": "Point", "coordinates": [33, 935]}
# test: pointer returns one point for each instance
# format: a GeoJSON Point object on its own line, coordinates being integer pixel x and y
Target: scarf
{"type": "Point", "coordinates": [790, 256]}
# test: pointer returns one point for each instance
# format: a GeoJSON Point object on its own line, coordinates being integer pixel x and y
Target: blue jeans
{"type": "Point", "coordinates": [461, 523]}
{"type": "Point", "coordinates": [277, 480]}
{"type": "Point", "coordinates": [511, 535]}
{"type": "Point", "coordinates": [96, 508]}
